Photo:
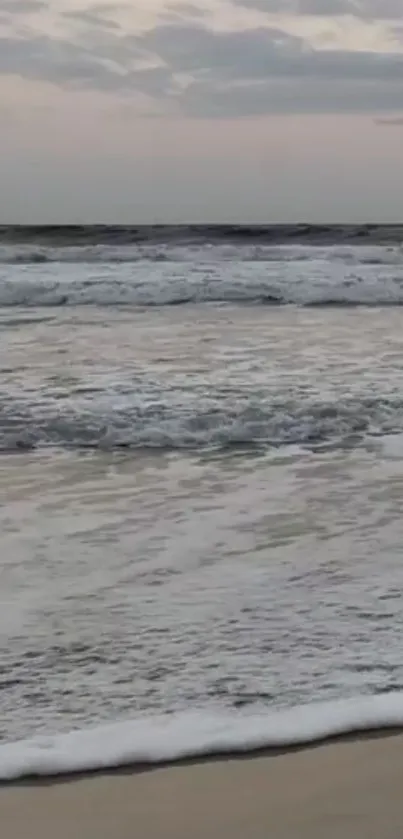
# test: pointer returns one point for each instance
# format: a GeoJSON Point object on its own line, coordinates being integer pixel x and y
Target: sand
{"type": "Point", "coordinates": [352, 790]}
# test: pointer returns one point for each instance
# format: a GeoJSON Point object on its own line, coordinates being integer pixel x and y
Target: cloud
{"type": "Point", "coordinates": [263, 71]}
{"type": "Point", "coordinates": [271, 7]}
{"type": "Point", "coordinates": [22, 7]}
{"type": "Point", "coordinates": [63, 63]}
{"type": "Point", "coordinates": [262, 54]}
{"type": "Point", "coordinates": [184, 11]}
{"type": "Point", "coordinates": [398, 121]}
{"type": "Point", "coordinates": [329, 7]}
{"type": "Point", "coordinates": [187, 10]}
{"type": "Point", "coordinates": [96, 17]}
{"type": "Point", "coordinates": [284, 97]}
{"type": "Point", "coordinates": [204, 73]}
{"type": "Point", "coordinates": [380, 9]}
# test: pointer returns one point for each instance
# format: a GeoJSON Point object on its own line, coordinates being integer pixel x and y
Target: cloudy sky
{"type": "Point", "coordinates": [201, 110]}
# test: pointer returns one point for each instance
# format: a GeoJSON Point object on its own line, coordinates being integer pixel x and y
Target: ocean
{"type": "Point", "coordinates": [201, 485]}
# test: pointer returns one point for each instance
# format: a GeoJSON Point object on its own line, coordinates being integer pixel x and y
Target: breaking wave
{"type": "Point", "coordinates": [190, 735]}
{"type": "Point", "coordinates": [319, 282]}
{"type": "Point", "coordinates": [207, 252]}
{"type": "Point", "coordinates": [166, 424]}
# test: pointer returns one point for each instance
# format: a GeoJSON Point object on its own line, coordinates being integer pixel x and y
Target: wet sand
{"type": "Point", "coordinates": [347, 789]}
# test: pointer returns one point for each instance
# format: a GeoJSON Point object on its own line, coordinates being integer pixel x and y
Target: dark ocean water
{"type": "Point", "coordinates": [121, 235]}
{"type": "Point", "coordinates": [200, 504]}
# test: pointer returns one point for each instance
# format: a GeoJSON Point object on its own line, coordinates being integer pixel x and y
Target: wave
{"type": "Point", "coordinates": [165, 423]}
{"type": "Point", "coordinates": [87, 255]}
{"type": "Point", "coordinates": [199, 252]}
{"type": "Point", "coordinates": [190, 735]}
{"type": "Point", "coordinates": [99, 255]}
{"type": "Point", "coordinates": [304, 284]}
{"type": "Point", "coordinates": [121, 235]}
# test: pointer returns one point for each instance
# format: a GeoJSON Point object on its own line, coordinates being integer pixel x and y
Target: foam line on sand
{"type": "Point", "coordinates": [343, 790]}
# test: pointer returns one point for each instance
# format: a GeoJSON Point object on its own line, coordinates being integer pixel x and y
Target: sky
{"type": "Point", "coordinates": [169, 111]}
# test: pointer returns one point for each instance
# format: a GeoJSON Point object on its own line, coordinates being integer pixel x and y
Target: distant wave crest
{"type": "Point", "coordinates": [199, 251]}
{"type": "Point", "coordinates": [190, 735]}
{"type": "Point", "coordinates": [122, 235]}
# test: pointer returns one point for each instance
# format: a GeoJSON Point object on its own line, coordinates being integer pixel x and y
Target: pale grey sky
{"type": "Point", "coordinates": [210, 110]}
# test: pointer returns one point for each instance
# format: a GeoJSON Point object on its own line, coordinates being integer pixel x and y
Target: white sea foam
{"type": "Point", "coordinates": [169, 738]}
{"type": "Point", "coordinates": [320, 281]}
{"type": "Point", "coordinates": [26, 254]}
{"type": "Point", "coordinates": [111, 421]}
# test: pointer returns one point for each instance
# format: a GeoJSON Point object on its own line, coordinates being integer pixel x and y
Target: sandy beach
{"type": "Point", "coordinates": [342, 789]}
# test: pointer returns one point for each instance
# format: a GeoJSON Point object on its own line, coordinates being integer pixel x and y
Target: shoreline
{"type": "Point", "coordinates": [347, 787]}
{"type": "Point", "coordinates": [189, 738]}
{"type": "Point", "coordinates": [368, 735]}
